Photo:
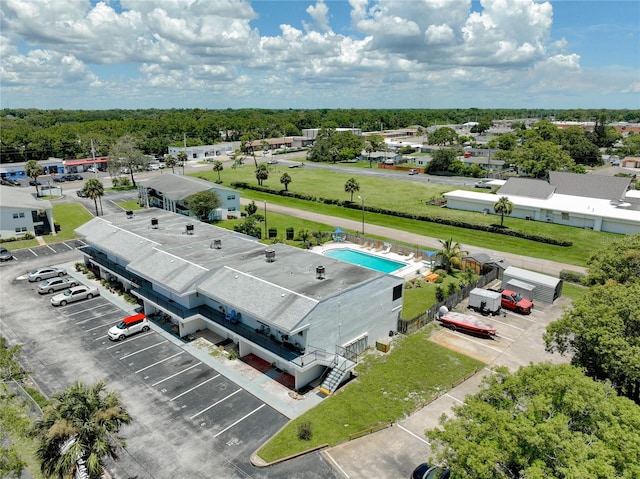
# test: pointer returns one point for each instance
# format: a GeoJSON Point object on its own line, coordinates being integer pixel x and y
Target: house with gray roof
{"type": "Point", "coordinates": [601, 203]}
{"type": "Point", "coordinates": [21, 212]}
{"type": "Point", "coordinates": [169, 192]}
{"type": "Point", "coordinates": [304, 312]}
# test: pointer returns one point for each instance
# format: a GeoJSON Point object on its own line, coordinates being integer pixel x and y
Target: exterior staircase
{"type": "Point", "coordinates": [340, 369]}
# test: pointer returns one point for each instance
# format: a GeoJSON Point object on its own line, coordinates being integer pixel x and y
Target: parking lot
{"type": "Point", "coordinates": [190, 419]}
{"type": "Point", "coordinates": [510, 327]}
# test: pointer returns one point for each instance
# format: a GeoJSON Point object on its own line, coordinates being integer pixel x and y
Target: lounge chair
{"type": "Point", "coordinates": [387, 249]}
{"type": "Point", "coordinates": [410, 257]}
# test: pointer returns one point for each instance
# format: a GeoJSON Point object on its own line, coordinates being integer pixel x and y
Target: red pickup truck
{"type": "Point", "coordinates": [513, 301]}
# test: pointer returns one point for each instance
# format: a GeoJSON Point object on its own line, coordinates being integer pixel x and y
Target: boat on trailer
{"type": "Point", "coordinates": [467, 323]}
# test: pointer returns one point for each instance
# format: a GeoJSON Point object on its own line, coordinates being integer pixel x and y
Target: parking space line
{"type": "Point", "coordinates": [97, 327]}
{"type": "Point", "coordinates": [194, 387]}
{"type": "Point", "coordinates": [51, 248]}
{"type": "Point", "coordinates": [33, 252]}
{"type": "Point", "coordinates": [159, 362]}
{"type": "Point", "coordinates": [414, 434]}
{"type": "Point", "coordinates": [505, 337]}
{"type": "Point", "coordinates": [141, 350]}
{"type": "Point", "coordinates": [68, 315]}
{"type": "Point", "coordinates": [240, 420]}
{"type": "Point", "coordinates": [455, 399]}
{"type": "Point", "coordinates": [177, 374]}
{"type": "Point", "coordinates": [70, 247]}
{"type": "Point", "coordinates": [139, 336]}
{"type": "Point", "coordinates": [215, 403]}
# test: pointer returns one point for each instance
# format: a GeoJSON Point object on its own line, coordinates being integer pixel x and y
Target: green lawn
{"type": "Point", "coordinates": [407, 196]}
{"type": "Point", "coordinates": [130, 205]}
{"type": "Point", "coordinates": [387, 388]}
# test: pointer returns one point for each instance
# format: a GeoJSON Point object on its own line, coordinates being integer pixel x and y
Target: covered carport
{"type": "Point", "coordinates": [547, 288]}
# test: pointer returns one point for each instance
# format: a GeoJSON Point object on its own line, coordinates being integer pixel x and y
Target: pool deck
{"type": "Point", "coordinates": [413, 267]}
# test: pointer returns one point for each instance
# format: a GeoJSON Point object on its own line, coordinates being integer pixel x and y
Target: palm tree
{"type": "Point", "coordinates": [285, 179]}
{"type": "Point", "coordinates": [182, 158]}
{"type": "Point", "coordinates": [81, 423]}
{"type": "Point", "coordinates": [262, 173]}
{"type": "Point", "coordinates": [171, 162]}
{"type": "Point", "coordinates": [33, 170]}
{"type": "Point", "coordinates": [369, 148]}
{"type": "Point", "coordinates": [503, 207]}
{"type": "Point", "coordinates": [351, 186]}
{"type": "Point", "coordinates": [450, 254]}
{"type": "Point", "coordinates": [218, 167]}
{"type": "Point", "coordinates": [93, 189]}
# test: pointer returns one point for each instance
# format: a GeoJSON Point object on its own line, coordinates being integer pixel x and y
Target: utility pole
{"type": "Point", "coordinates": [93, 155]}
{"type": "Point", "coordinates": [185, 151]}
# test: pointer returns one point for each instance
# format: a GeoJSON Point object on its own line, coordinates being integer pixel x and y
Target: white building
{"type": "Point", "coordinates": [204, 152]}
{"type": "Point", "coordinates": [303, 312]}
{"type": "Point", "coordinates": [169, 192]}
{"type": "Point", "coordinates": [21, 213]}
{"type": "Point", "coordinates": [601, 203]}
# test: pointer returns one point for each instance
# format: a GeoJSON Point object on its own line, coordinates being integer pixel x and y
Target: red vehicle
{"type": "Point", "coordinates": [513, 301]}
{"type": "Point", "coordinates": [467, 324]}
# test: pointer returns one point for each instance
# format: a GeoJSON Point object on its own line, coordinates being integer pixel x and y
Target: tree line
{"type": "Point", "coordinates": [27, 134]}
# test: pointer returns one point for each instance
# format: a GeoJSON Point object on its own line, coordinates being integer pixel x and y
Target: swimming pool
{"type": "Point", "coordinates": [377, 263]}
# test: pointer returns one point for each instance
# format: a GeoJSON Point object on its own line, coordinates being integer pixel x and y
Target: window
{"type": "Point", "coordinates": [21, 215]}
{"type": "Point", "coordinates": [15, 215]}
{"type": "Point", "coordinates": [233, 208]}
{"type": "Point", "coordinates": [18, 229]}
{"type": "Point", "coordinates": [397, 292]}
{"type": "Point", "coordinates": [565, 216]}
{"type": "Point", "coordinates": [231, 197]}
{"type": "Point", "coordinates": [24, 228]}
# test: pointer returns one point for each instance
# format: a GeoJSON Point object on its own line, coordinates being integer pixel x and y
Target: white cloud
{"type": "Point", "coordinates": [320, 13]}
{"type": "Point", "coordinates": [210, 49]}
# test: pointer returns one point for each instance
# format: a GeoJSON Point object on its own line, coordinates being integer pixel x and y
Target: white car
{"type": "Point", "coordinates": [56, 284]}
{"type": "Point", "coordinates": [46, 273]}
{"type": "Point", "coordinates": [128, 326]}
{"type": "Point", "coordinates": [77, 293]}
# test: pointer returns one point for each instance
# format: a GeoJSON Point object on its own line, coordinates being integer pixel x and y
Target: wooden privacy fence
{"type": "Point", "coordinates": [409, 326]}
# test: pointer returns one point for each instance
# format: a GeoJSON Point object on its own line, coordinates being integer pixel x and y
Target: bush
{"type": "Point", "coordinates": [439, 294]}
{"type": "Point", "coordinates": [305, 432]}
{"type": "Point", "coordinates": [572, 276]}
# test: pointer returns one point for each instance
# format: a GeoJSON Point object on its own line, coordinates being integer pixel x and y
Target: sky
{"type": "Point", "coordinates": [301, 54]}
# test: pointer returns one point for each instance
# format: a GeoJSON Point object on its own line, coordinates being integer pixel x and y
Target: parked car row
{"type": "Point", "coordinates": [58, 280]}
{"type": "Point", "coordinates": [70, 177]}
{"type": "Point", "coordinates": [9, 182]}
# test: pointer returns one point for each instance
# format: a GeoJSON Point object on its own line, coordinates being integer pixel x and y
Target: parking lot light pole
{"type": "Point", "coordinates": [363, 200]}
{"type": "Point", "coordinates": [266, 231]}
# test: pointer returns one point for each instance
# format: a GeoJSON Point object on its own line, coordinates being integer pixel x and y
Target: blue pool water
{"type": "Point", "coordinates": [363, 259]}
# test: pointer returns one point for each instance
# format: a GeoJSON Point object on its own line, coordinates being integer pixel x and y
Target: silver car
{"type": "Point", "coordinates": [45, 273]}
{"type": "Point", "coordinates": [76, 293]}
{"type": "Point", "coordinates": [56, 284]}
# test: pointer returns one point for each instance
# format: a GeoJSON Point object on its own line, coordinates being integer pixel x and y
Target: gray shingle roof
{"type": "Point", "coordinates": [528, 187]}
{"type": "Point", "coordinates": [589, 186]}
{"type": "Point", "coordinates": [177, 187]}
{"type": "Point", "coordinates": [12, 197]}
